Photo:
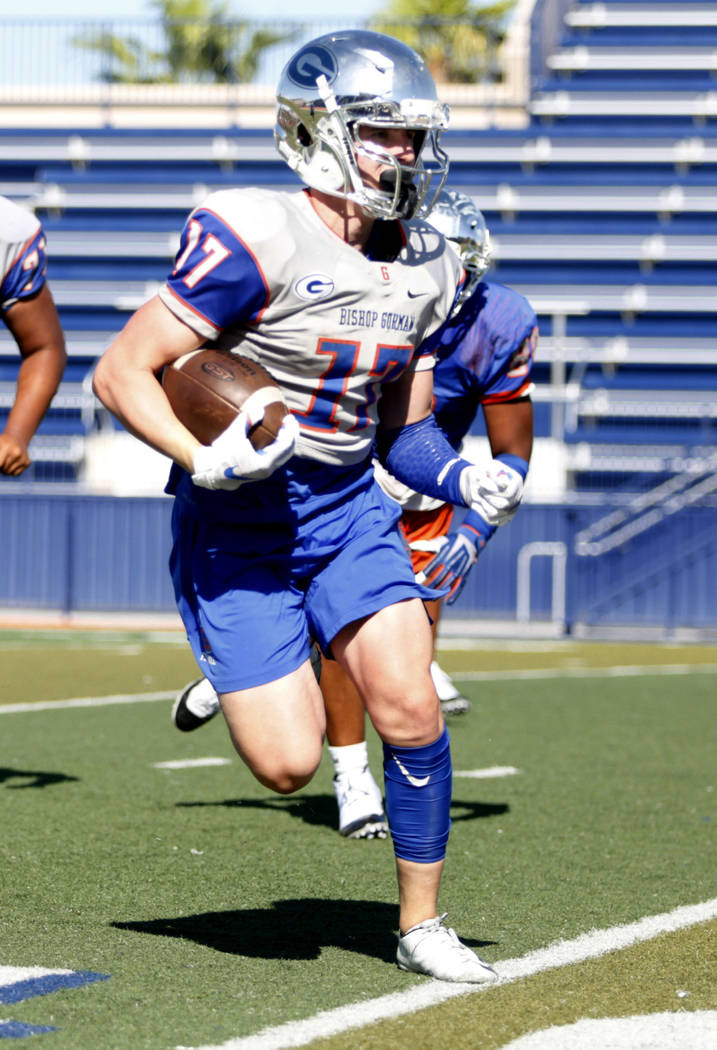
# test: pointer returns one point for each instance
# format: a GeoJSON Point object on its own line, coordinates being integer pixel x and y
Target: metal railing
{"type": "Point", "coordinates": [133, 63]}
{"type": "Point", "coordinates": [558, 553]}
{"type": "Point", "coordinates": [649, 509]}
{"type": "Point", "coordinates": [73, 52]}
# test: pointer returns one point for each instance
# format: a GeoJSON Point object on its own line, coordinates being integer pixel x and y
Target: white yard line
{"type": "Point", "coordinates": [663, 1031]}
{"type": "Point", "coordinates": [13, 974]}
{"type": "Point", "coordinates": [584, 672]}
{"type": "Point", "coordinates": [191, 763]}
{"type": "Point", "coordinates": [561, 953]}
{"type": "Point", "coordinates": [463, 676]}
{"type": "Point", "coordinates": [86, 701]}
{"type": "Point", "coordinates": [488, 773]}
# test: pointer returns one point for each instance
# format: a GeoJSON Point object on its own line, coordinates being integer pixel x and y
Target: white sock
{"type": "Point", "coordinates": [349, 757]}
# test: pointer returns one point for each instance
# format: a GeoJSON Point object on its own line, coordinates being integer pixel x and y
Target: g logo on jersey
{"type": "Point", "coordinates": [308, 65]}
{"type": "Point", "coordinates": [314, 286]}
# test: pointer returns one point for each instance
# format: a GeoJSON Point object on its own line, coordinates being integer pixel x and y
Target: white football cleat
{"type": "Point", "coordinates": [361, 814]}
{"type": "Point", "coordinates": [434, 949]}
{"type": "Point", "coordinates": [452, 703]}
{"type": "Point", "coordinates": [195, 705]}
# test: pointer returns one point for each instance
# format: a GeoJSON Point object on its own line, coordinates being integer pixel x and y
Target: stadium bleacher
{"type": "Point", "coordinates": [603, 214]}
{"type": "Point", "coordinates": [602, 210]}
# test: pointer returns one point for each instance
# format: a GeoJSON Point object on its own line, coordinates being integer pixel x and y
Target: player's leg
{"type": "Point", "coordinates": [365, 608]}
{"type": "Point", "coordinates": [345, 712]}
{"type": "Point", "coordinates": [452, 701]}
{"type": "Point", "coordinates": [403, 706]}
{"type": "Point", "coordinates": [423, 531]}
{"type": "Point", "coordinates": [246, 624]}
{"type": "Point", "coordinates": [198, 702]}
{"type": "Point", "coordinates": [388, 656]}
{"type": "Point", "coordinates": [284, 758]}
{"type": "Point", "coordinates": [367, 612]}
{"type": "Point", "coordinates": [358, 796]}
{"type": "Point", "coordinates": [278, 728]}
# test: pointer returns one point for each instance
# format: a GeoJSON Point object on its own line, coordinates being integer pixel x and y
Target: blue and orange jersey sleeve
{"type": "Point", "coordinates": [216, 275]}
{"type": "Point", "coordinates": [499, 344]}
{"type": "Point", "coordinates": [27, 272]}
{"type": "Point", "coordinates": [513, 380]}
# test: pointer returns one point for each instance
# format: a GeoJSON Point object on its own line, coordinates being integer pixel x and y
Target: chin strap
{"type": "Point", "coordinates": [407, 203]}
{"type": "Point", "coordinates": [336, 121]}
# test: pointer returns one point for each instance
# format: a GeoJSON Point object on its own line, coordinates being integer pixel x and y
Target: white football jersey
{"type": "Point", "coordinates": [259, 272]}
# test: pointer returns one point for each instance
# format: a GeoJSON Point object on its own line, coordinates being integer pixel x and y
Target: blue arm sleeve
{"type": "Point", "coordinates": [421, 457]}
{"type": "Point", "coordinates": [479, 529]}
{"type": "Point", "coordinates": [516, 462]}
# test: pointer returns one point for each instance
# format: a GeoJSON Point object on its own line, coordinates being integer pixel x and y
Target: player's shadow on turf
{"type": "Point", "coordinates": [462, 809]}
{"type": "Point", "coordinates": [320, 810]}
{"type": "Point", "coordinates": [290, 929]}
{"type": "Point", "coordinates": [36, 778]}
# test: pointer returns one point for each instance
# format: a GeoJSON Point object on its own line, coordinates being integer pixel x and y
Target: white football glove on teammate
{"type": "Point", "coordinates": [494, 493]}
{"type": "Point", "coordinates": [231, 459]}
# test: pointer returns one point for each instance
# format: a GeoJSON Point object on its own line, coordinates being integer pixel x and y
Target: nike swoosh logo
{"type": "Point", "coordinates": [417, 782]}
{"type": "Point", "coordinates": [415, 295]}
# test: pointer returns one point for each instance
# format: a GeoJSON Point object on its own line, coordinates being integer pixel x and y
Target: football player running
{"type": "Point", "coordinates": [484, 358]}
{"type": "Point", "coordinates": [335, 289]}
{"type": "Point", "coordinates": [29, 312]}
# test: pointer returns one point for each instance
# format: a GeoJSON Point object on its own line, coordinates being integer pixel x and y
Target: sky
{"type": "Point", "coordinates": [60, 19]}
{"type": "Point", "coordinates": [141, 9]}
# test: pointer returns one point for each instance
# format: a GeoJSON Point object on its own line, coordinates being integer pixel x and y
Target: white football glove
{"type": "Point", "coordinates": [231, 459]}
{"type": "Point", "coordinates": [494, 493]}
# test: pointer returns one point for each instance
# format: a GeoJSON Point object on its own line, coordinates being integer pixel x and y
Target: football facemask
{"type": "Point", "coordinates": [333, 92]}
{"type": "Point", "coordinates": [462, 223]}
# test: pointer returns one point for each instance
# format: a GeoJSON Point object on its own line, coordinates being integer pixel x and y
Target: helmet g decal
{"type": "Point", "coordinates": [310, 63]}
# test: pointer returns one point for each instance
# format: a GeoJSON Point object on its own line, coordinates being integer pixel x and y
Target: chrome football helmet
{"type": "Point", "coordinates": [345, 83]}
{"type": "Point", "coordinates": [461, 222]}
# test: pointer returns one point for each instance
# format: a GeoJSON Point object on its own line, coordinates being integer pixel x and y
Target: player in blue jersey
{"type": "Point", "coordinates": [483, 365]}
{"type": "Point", "coordinates": [29, 313]}
{"type": "Point", "coordinates": [335, 289]}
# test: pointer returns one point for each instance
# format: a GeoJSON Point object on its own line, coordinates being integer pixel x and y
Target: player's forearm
{"type": "Point", "coordinates": [509, 427]}
{"type": "Point", "coordinates": [420, 456]}
{"type": "Point", "coordinates": [137, 400]}
{"type": "Point", "coordinates": [37, 382]}
{"type": "Point", "coordinates": [126, 380]}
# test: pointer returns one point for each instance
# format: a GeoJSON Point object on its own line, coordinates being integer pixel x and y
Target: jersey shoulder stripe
{"type": "Point", "coordinates": [217, 279]}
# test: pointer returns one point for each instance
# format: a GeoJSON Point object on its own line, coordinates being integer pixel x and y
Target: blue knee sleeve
{"type": "Point", "coordinates": [418, 783]}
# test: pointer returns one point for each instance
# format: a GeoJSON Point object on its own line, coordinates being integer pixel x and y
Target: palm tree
{"type": "Point", "coordinates": [457, 39]}
{"type": "Point", "coordinates": [202, 45]}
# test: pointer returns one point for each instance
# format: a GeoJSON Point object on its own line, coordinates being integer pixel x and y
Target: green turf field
{"type": "Point", "coordinates": [198, 908]}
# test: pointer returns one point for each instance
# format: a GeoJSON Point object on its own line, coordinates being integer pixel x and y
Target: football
{"type": "Point", "coordinates": [207, 389]}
